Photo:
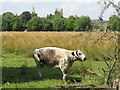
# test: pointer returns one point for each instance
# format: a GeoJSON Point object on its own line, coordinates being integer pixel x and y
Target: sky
{"type": "Point", "coordinates": [89, 8]}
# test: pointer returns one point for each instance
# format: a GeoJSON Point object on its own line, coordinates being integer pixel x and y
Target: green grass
{"type": "Point", "coordinates": [21, 72]}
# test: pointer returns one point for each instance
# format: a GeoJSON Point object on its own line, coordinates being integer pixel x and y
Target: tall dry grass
{"type": "Point", "coordinates": [26, 42]}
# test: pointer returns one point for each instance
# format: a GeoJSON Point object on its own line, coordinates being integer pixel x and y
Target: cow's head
{"type": "Point", "coordinates": [79, 55]}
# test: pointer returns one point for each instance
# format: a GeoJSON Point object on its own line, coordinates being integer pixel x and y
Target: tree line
{"type": "Point", "coordinates": [53, 22]}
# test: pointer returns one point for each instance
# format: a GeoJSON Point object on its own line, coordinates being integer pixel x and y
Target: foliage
{"type": "Point", "coordinates": [46, 25]}
{"type": "Point", "coordinates": [70, 23]}
{"type": "Point", "coordinates": [114, 23]}
{"type": "Point", "coordinates": [34, 24]}
{"type": "Point", "coordinates": [18, 24]}
{"type": "Point", "coordinates": [34, 14]}
{"type": "Point", "coordinates": [59, 24]}
{"type": "Point", "coordinates": [7, 21]}
{"type": "Point", "coordinates": [82, 23]}
{"type": "Point", "coordinates": [107, 4]}
{"type": "Point", "coordinates": [26, 16]}
{"type": "Point", "coordinates": [56, 22]}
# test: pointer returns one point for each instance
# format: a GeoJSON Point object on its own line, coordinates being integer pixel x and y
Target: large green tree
{"type": "Point", "coordinates": [7, 21]}
{"type": "Point", "coordinates": [70, 23]}
{"type": "Point", "coordinates": [46, 24]}
{"type": "Point", "coordinates": [59, 24]}
{"type": "Point", "coordinates": [58, 21]}
{"type": "Point", "coordinates": [18, 24]}
{"type": "Point", "coordinates": [26, 16]}
{"type": "Point", "coordinates": [82, 23]}
{"type": "Point", "coordinates": [114, 23]}
{"type": "Point", "coordinates": [35, 24]}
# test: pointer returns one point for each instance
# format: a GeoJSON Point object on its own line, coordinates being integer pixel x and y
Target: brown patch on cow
{"type": "Point", "coordinates": [50, 54]}
{"type": "Point", "coordinates": [49, 58]}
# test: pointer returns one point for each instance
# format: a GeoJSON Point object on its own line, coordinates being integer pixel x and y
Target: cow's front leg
{"type": "Point", "coordinates": [64, 76]}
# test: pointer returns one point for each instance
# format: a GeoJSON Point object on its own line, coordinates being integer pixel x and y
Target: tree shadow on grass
{"type": "Point", "coordinates": [20, 75]}
{"type": "Point", "coordinates": [28, 74]}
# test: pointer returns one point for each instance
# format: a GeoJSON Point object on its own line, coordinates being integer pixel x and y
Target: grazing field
{"type": "Point", "coordinates": [19, 69]}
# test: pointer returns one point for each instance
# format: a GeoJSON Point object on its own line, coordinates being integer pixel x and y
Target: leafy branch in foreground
{"type": "Point", "coordinates": [112, 73]}
{"type": "Point", "coordinates": [107, 4]}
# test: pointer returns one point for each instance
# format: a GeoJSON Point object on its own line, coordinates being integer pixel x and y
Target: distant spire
{"type": "Point", "coordinates": [33, 11]}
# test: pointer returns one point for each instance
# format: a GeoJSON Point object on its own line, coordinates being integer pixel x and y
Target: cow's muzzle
{"type": "Point", "coordinates": [85, 59]}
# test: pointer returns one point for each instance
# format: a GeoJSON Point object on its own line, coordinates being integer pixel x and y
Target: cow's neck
{"type": "Point", "coordinates": [71, 58]}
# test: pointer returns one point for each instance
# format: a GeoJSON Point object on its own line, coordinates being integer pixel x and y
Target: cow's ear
{"type": "Point", "coordinates": [74, 53]}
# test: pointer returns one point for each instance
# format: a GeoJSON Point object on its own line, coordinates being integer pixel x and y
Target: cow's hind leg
{"type": "Point", "coordinates": [39, 70]}
{"type": "Point", "coordinates": [38, 67]}
{"type": "Point", "coordinates": [64, 74]}
{"type": "Point", "coordinates": [39, 73]}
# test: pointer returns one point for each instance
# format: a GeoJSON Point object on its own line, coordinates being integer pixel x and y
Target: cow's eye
{"type": "Point", "coordinates": [80, 54]}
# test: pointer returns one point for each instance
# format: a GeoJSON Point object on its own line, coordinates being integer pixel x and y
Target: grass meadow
{"type": "Point", "coordinates": [19, 69]}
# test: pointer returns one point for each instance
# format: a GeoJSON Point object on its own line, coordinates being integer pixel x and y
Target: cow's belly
{"type": "Point", "coordinates": [49, 63]}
